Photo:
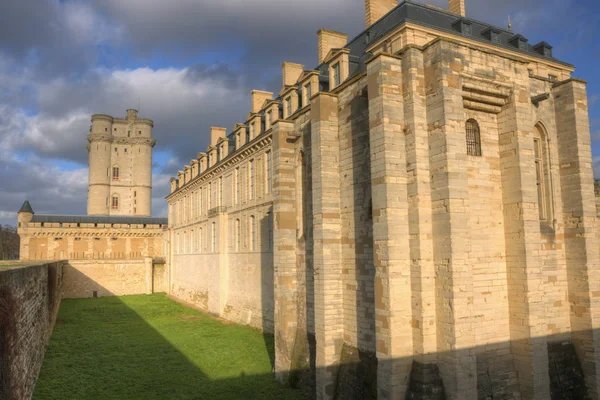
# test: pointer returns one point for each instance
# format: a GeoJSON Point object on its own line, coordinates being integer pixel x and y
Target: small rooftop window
{"type": "Point", "coordinates": [519, 42]}
{"type": "Point", "coordinates": [463, 26]}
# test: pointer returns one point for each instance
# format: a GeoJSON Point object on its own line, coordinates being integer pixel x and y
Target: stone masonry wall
{"type": "Point", "coordinates": [29, 300]}
{"type": "Point", "coordinates": [99, 278]}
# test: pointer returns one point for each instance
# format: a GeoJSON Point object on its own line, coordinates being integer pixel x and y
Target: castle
{"type": "Point", "coordinates": [413, 218]}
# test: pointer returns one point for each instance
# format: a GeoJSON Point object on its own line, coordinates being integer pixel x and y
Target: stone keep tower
{"type": "Point", "coordinates": [120, 164]}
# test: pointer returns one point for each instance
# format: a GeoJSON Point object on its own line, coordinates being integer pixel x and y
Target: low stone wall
{"type": "Point", "coordinates": [29, 300]}
{"type": "Point", "coordinates": [98, 278]}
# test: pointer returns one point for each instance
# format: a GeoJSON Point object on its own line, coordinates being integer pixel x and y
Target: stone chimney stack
{"type": "Point", "coordinates": [216, 133]}
{"type": "Point", "coordinates": [291, 72]}
{"type": "Point", "coordinates": [330, 40]}
{"type": "Point", "coordinates": [375, 9]}
{"type": "Point", "coordinates": [457, 7]}
{"type": "Point", "coordinates": [258, 99]}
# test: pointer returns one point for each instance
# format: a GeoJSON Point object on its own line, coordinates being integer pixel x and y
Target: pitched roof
{"type": "Point", "coordinates": [26, 207]}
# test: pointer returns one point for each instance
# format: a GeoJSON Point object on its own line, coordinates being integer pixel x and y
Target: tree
{"type": "Point", "coordinates": [9, 243]}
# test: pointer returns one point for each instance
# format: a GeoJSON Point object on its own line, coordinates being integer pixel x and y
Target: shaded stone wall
{"type": "Point", "coordinates": [29, 300]}
{"type": "Point", "coordinates": [99, 278]}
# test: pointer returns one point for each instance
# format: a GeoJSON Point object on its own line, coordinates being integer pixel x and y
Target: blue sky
{"type": "Point", "coordinates": [190, 65]}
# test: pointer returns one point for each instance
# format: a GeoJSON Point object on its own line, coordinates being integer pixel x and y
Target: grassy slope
{"type": "Point", "coordinates": [150, 347]}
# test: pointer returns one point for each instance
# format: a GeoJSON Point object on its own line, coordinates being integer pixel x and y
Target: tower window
{"type": "Point", "coordinates": [473, 138]}
{"type": "Point", "coordinates": [115, 202]}
{"type": "Point", "coordinates": [115, 173]}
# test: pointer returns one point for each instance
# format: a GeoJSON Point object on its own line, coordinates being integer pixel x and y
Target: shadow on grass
{"type": "Point", "coordinates": [151, 347]}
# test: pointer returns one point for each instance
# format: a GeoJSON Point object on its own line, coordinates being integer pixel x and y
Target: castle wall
{"type": "Point", "coordinates": [119, 277]}
{"type": "Point", "coordinates": [73, 241]}
{"type": "Point", "coordinates": [29, 300]}
{"type": "Point", "coordinates": [456, 269]}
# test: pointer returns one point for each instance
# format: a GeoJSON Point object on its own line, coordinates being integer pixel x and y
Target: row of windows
{"type": "Point", "coordinates": [201, 201]}
{"type": "Point", "coordinates": [194, 241]}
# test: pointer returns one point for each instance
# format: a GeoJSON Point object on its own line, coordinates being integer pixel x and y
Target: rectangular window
{"type": "Point", "coordinates": [253, 232]}
{"type": "Point", "coordinates": [213, 244]}
{"type": "Point", "coordinates": [220, 191]}
{"type": "Point", "coordinates": [288, 104]}
{"type": "Point", "coordinates": [308, 93]}
{"type": "Point", "coordinates": [115, 173]}
{"type": "Point", "coordinates": [237, 235]}
{"type": "Point", "coordinates": [270, 222]}
{"type": "Point", "coordinates": [269, 172]}
{"type": "Point", "coordinates": [200, 241]}
{"type": "Point", "coordinates": [237, 185]}
{"type": "Point", "coordinates": [200, 201]}
{"type": "Point", "coordinates": [336, 75]}
{"type": "Point", "coordinates": [209, 196]}
{"type": "Point", "coordinates": [251, 172]}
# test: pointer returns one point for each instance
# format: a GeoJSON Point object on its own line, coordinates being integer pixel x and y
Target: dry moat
{"type": "Point", "coordinates": [150, 347]}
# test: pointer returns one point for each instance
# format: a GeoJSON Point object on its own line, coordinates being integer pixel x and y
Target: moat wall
{"type": "Point", "coordinates": [29, 300]}
{"type": "Point", "coordinates": [99, 278]}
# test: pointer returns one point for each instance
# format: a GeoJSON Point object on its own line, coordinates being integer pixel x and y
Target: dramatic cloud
{"type": "Point", "coordinates": [188, 65]}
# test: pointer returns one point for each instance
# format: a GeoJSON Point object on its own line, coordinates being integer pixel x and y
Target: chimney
{"type": "Point", "coordinates": [291, 72]}
{"type": "Point", "coordinates": [216, 133]}
{"type": "Point", "coordinates": [375, 9]}
{"type": "Point", "coordinates": [330, 40]}
{"type": "Point", "coordinates": [258, 99]}
{"type": "Point", "coordinates": [457, 7]}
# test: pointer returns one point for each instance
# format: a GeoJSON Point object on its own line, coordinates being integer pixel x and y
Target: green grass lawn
{"type": "Point", "coordinates": [150, 347]}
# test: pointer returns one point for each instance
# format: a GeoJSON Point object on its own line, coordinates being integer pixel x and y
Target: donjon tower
{"type": "Point", "coordinates": [120, 165]}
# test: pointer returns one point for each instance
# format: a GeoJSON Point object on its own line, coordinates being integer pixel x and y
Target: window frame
{"type": "Point", "coordinates": [473, 137]}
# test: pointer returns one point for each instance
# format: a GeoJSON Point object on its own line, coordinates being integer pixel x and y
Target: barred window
{"type": "Point", "coordinates": [473, 138]}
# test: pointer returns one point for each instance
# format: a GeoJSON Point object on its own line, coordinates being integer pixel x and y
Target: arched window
{"type": "Point", "coordinates": [473, 138]}
{"type": "Point", "coordinates": [115, 174]}
{"type": "Point", "coordinates": [542, 174]}
{"type": "Point", "coordinates": [115, 202]}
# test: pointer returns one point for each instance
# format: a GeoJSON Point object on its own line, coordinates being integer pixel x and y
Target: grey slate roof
{"type": "Point", "coordinates": [428, 17]}
{"type": "Point", "coordinates": [91, 219]}
{"type": "Point", "coordinates": [26, 207]}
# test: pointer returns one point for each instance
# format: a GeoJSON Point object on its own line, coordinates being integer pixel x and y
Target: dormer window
{"type": "Point", "coordinates": [493, 35]}
{"type": "Point", "coordinates": [252, 130]}
{"type": "Point", "coordinates": [463, 26]}
{"type": "Point", "coordinates": [336, 75]}
{"type": "Point", "coordinates": [288, 105]}
{"type": "Point", "coordinates": [519, 42]}
{"type": "Point", "coordinates": [307, 93]}
{"type": "Point", "coordinates": [544, 49]}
